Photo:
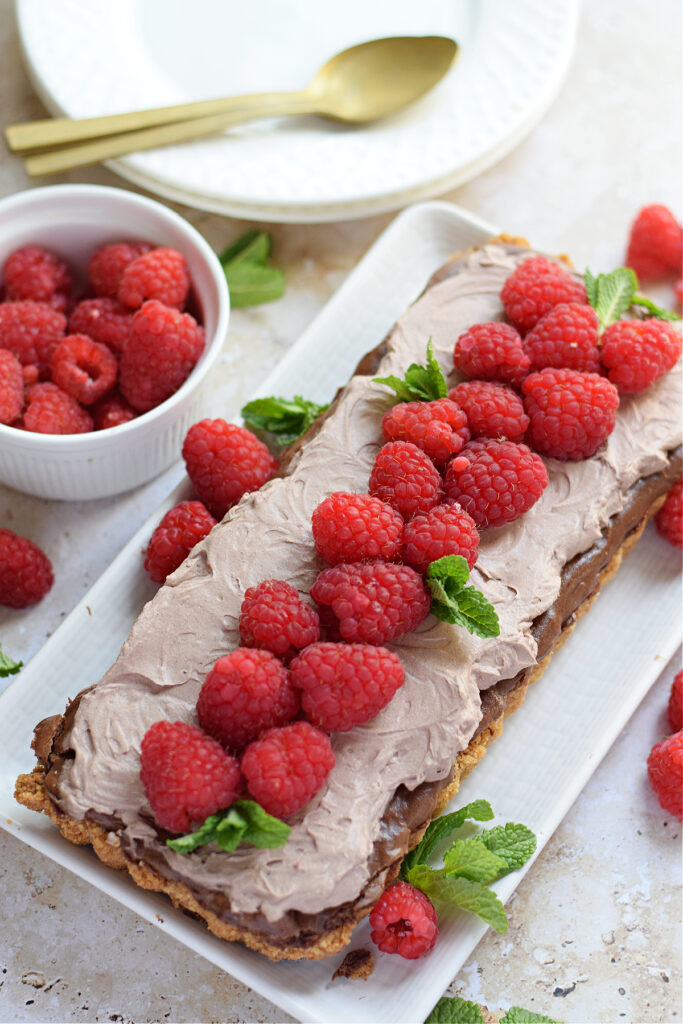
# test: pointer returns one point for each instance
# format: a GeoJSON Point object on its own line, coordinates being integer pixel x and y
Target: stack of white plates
{"type": "Point", "coordinates": [87, 59]}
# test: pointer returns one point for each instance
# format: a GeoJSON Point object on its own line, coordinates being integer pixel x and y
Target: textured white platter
{"type": "Point", "coordinates": [88, 59]}
{"type": "Point", "coordinates": [532, 774]}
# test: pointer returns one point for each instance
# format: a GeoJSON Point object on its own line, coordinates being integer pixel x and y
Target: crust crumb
{"type": "Point", "coordinates": [359, 963]}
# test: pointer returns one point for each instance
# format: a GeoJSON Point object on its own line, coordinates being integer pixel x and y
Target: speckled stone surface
{"type": "Point", "coordinates": [595, 930]}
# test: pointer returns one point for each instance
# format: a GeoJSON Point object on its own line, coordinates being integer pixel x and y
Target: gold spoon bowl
{"type": "Point", "coordinates": [364, 83]}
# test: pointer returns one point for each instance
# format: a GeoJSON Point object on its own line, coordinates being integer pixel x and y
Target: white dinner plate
{"type": "Point", "coordinates": [555, 741]}
{"type": "Point", "coordinates": [92, 57]}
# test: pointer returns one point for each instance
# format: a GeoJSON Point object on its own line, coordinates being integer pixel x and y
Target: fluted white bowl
{"type": "Point", "coordinates": [73, 221]}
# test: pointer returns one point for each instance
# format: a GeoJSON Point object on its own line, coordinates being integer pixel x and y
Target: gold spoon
{"type": "Point", "coordinates": [363, 83]}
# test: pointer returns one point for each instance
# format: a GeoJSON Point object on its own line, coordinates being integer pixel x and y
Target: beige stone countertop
{"type": "Point", "coordinates": [595, 931]}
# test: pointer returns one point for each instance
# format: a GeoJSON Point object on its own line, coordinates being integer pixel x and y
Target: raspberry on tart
{"type": "Point", "coordinates": [534, 287]}
{"type": "Point", "coordinates": [287, 766]}
{"type": "Point", "coordinates": [439, 428]}
{"type": "Point", "coordinates": [493, 410]}
{"type": "Point", "coordinates": [274, 618]}
{"type": "Point", "coordinates": [491, 351]}
{"type": "Point", "coordinates": [636, 353]}
{"type": "Point", "coordinates": [186, 775]}
{"type": "Point", "coordinates": [225, 461]}
{"type": "Point", "coordinates": [180, 529]}
{"type": "Point", "coordinates": [501, 481]}
{"type": "Point", "coordinates": [571, 413]}
{"type": "Point", "coordinates": [565, 338]}
{"type": "Point", "coordinates": [405, 477]}
{"type": "Point", "coordinates": [356, 528]}
{"type": "Point", "coordinates": [344, 685]}
{"type": "Point", "coordinates": [445, 530]}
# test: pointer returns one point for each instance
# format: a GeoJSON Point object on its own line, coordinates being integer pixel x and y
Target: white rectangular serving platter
{"type": "Point", "coordinates": [533, 772]}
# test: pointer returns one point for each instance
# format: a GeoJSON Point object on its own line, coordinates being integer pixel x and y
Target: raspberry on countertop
{"type": "Point", "coordinates": [669, 519]}
{"type": "Point", "coordinates": [25, 571]}
{"type": "Point", "coordinates": [655, 246]}
{"type": "Point", "coordinates": [665, 771]}
{"type": "Point", "coordinates": [674, 711]}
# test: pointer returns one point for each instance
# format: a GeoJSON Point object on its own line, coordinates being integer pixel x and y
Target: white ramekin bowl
{"type": "Point", "coordinates": [73, 221]}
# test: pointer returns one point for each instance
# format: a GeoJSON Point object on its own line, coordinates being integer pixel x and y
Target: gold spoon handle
{"type": "Point", "coordinates": [60, 131]}
{"type": "Point", "coordinates": [64, 159]}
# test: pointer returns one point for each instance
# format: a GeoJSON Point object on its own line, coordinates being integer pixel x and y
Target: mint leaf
{"type": "Point", "coordinates": [470, 858]}
{"type": "Point", "coordinates": [421, 383]}
{"type": "Point", "coordinates": [262, 829]}
{"type": "Point", "coordinates": [513, 843]}
{"type": "Point", "coordinates": [469, 895]}
{"type": "Point", "coordinates": [454, 1010]}
{"type": "Point", "coordinates": [252, 247]}
{"type": "Point", "coordinates": [441, 827]}
{"type": "Point", "coordinates": [243, 822]}
{"type": "Point", "coordinates": [287, 418]}
{"type": "Point", "coordinates": [250, 281]}
{"type": "Point", "coordinates": [456, 603]}
{"type": "Point", "coordinates": [8, 666]}
{"type": "Point", "coordinates": [610, 295]}
{"type": "Point", "coordinates": [251, 285]}
{"type": "Point", "coordinates": [657, 311]}
{"type": "Point", "coordinates": [516, 1015]}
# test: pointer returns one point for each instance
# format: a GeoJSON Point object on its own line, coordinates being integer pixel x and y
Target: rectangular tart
{"type": "Point", "coordinates": [396, 772]}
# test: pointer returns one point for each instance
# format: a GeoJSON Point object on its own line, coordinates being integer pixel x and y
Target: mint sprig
{"type": "Point", "coordinates": [471, 863]}
{"type": "Point", "coordinates": [286, 418]}
{"type": "Point", "coordinates": [454, 1010]}
{"type": "Point", "coordinates": [243, 822]}
{"type": "Point", "coordinates": [250, 280]}
{"type": "Point", "coordinates": [8, 666]}
{"type": "Point", "coordinates": [611, 295]}
{"type": "Point", "coordinates": [421, 383]}
{"type": "Point", "coordinates": [516, 1015]}
{"type": "Point", "coordinates": [453, 602]}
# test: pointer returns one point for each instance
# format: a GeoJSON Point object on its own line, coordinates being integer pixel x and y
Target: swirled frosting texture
{"type": "Point", "coordinates": [193, 620]}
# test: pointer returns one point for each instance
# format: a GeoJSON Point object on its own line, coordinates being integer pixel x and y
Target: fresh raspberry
{"type": "Point", "coordinates": [34, 273]}
{"type": "Point", "coordinates": [571, 413]}
{"type": "Point", "coordinates": [161, 274]}
{"type": "Point", "coordinates": [112, 411]}
{"type": "Point", "coordinates": [356, 528]}
{"type": "Point", "coordinates": [186, 775]}
{"type": "Point", "coordinates": [665, 770]}
{"type": "Point", "coordinates": [107, 265]}
{"type": "Point", "coordinates": [403, 921]}
{"type": "Point", "coordinates": [245, 693]}
{"type": "Point", "coordinates": [104, 320]}
{"type": "Point", "coordinates": [343, 685]}
{"type": "Point", "coordinates": [678, 289]}
{"type": "Point", "coordinates": [637, 352]}
{"type": "Point", "coordinates": [25, 572]}
{"type": "Point", "coordinates": [446, 530]}
{"type": "Point", "coordinates": [31, 331]}
{"type": "Point", "coordinates": [370, 603]}
{"type": "Point", "coordinates": [502, 481]}
{"type": "Point", "coordinates": [405, 477]}
{"type": "Point", "coordinates": [491, 351]}
{"type": "Point", "coordinates": [30, 374]}
{"type": "Point", "coordinates": [11, 387]}
{"type": "Point", "coordinates": [51, 411]}
{"type": "Point", "coordinates": [287, 767]}
{"type": "Point", "coordinates": [655, 244]}
{"type": "Point", "coordinates": [274, 618]}
{"type": "Point", "coordinates": [181, 528]}
{"type": "Point", "coordinates": [492, 410]}
{"type": "Point", "coordinates": [534, 287]}
{"type": "Point", "coordinates": [565, 338]}
{"type": "Point", "coordinates": [224, 462]}
{"type": "Point", "coordinates": [669, 519]}
{"type": "Point", "coordinates": [83, 368]}
{"type": "Point", "coordinates": [674, 711]}
{"type": "Point", "coordinates": [162, 348]}
{"type": "Point", "coordinates": [439, 428]}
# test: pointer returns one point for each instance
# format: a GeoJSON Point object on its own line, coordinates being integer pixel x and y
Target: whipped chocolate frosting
{"type": "Point", "coordinates": [193, 620]}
